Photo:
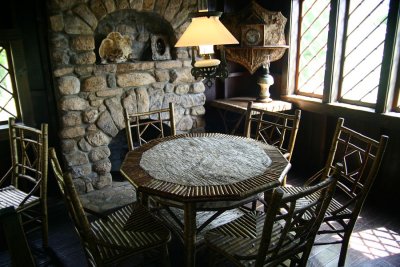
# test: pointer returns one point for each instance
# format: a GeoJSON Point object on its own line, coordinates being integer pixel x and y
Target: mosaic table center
{"type": "Point", "coordinates": [198, 161]}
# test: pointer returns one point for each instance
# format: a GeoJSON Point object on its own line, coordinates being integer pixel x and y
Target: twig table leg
{"type": "Point", "coordinates": [189, 234]}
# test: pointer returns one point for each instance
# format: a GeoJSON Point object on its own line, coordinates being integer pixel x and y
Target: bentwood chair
{"type": "Point", "coordinates": [114, 238]}
{"type": "Point", "coordinates": [272, 238]}
{"type": "Point", "coordinates": [149, 125]}
{"type": "Point", "coordinates": [361, 157]}
{"type": "Point", "coordinates": [143, 127]}
{"type": "Point", "coordinates": [274, 128]}
{"type": "Point", "coordinates": [27, 190]}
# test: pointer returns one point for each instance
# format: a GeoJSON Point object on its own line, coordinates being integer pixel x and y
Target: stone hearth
{"type": "Point", "coordinates": [91, 95]}
{"type": "Point", "coordinates": [110, 197]}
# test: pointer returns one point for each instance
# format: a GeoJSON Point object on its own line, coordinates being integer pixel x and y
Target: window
{"type": "Point", "coordinates": [364, 43]}
{"type": "Point", "coordinates": [313, 44]}
{"type": "Point", "coordinates": [8, 96]}
{"type": "Point", "coordinates": [347, 51]}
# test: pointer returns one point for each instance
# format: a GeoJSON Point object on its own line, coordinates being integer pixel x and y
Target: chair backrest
{"type": "Point", "coordinates": [29, 148]}
{"type": "Point", "coordinates": [149, 125]}
{"type": "Point", "coordinates": [361, 157]}
{"type": "Point", "coordinates": [292, 221]}
{"type": "Point", "coordinates": [273, 128]}
{"type": "Point", "coordinates": [75, 208]}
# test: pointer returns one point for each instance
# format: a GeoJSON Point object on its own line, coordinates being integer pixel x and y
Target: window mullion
{"type": "Point", "coordinates": [334, 51]}
{"type": "Point", "coordinates": [22, 83]}
{"type": "Point", "coordinates": [299, 26]}
{"type": "Point", "coordinates": [390, 60]}
{"type": "Point", "coordinates": [289, 68]}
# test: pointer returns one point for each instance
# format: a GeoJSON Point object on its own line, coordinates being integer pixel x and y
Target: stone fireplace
{"type": "Point", "coordinates": [91, 94]}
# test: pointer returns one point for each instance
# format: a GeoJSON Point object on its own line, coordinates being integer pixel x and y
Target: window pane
{"type": "Point", "coordinates": [363, 55]}
{"type": "Point", "coordinates": [313, 45]}
{"type": "Point", "coordinates": [7, 100]}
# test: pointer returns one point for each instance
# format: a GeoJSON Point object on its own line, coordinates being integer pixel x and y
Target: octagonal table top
{"type": "Point", "coordinates": [204, 167]}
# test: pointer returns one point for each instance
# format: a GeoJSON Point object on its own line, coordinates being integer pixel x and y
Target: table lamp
{"type": "Point", "coordinates": [205, 31]}
{"type": "Point", "coordinates": [265, 81]}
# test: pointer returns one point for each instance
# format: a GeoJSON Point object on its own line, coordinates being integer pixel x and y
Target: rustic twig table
{"type": "Point", "coordinates": [203, 171]}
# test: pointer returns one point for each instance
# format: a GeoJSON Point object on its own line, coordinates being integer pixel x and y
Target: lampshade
{"type": "Point", "coordinates": [206, 30]}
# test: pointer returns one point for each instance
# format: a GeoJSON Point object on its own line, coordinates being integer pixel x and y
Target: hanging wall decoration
{"type": "Point", "coordinates": [261, 33]}
{"type": "Point", "coordinates": [115, 48]}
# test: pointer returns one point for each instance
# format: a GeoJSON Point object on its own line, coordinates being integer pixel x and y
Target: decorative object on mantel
{"type": "Point", "coordinates": [160, 49]}
{"type": "Point", "coordinates": [205, 31]}
{"type": "Point", "coordinates": [265, 81]}
{"type": "Point", "coordinates": [115, 48]}
{"type": "Point", "coordinates": [261, 33]}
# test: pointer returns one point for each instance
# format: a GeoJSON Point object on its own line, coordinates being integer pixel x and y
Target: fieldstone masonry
{"type": "Point", "coordinates": [92, 96]}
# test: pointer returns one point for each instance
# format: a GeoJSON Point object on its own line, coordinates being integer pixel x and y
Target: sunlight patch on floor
{"type": "Point", "coordinates": [376, 243]}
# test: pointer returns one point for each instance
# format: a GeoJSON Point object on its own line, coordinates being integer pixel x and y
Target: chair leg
{"type": "Point", "coordinates": [165, 257]}
{"type": "Point", "coordinates": [212, 259]}
{"type": "Point", "coordinates": [15, 238]}
{"type": "Point", "coordinates": [284, 181]}
{"type": "Point", "coordinates": [45, 231]}
{"type": "Point", "coordinates": [254, 205]}
{"type": "Point", "coordinates": [343, 249]}
{"type": "Point", "coordinates": [45, 226]}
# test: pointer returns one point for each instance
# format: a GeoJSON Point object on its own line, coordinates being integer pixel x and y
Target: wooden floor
{"type": "Point", "coordinates": [375, 242]}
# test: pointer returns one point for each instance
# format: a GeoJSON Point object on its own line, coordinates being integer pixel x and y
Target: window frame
{"type": "Point", "coordinates": [387, 90]}
{"type": "Point", "coordinates": [297, 90]}
{"type": "Point", "coordinates": [7, 47]}
{"type": "Point", "coordinates": [343, 44]}
{"type": "Point", "coordinates": [13, 39]}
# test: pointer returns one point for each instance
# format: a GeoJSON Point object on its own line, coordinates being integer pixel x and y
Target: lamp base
{"type": "Point", "coordinates": [264, 95]}
{"type": "Point", "coordinates": [263, 99]}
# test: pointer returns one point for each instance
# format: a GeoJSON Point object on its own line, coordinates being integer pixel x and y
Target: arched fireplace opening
{"type": "Point", "coordinates": [151, 36]}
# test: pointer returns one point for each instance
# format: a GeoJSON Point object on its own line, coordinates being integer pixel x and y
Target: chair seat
{"type": "Point", "coordinates": [132, 227]}
{"type": "Point", "coordinates": [240, 239]}
{"type": "Point", "coordinates": [11, 196]}
{"type": "Point", "coordinates": [333, 206]}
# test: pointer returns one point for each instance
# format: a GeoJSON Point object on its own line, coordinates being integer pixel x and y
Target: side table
{"type": "Point", "coordinates": [239, 105]}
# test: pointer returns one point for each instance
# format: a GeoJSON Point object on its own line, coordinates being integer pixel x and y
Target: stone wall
{"type": "Point", "coordinates": [91, 96]}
